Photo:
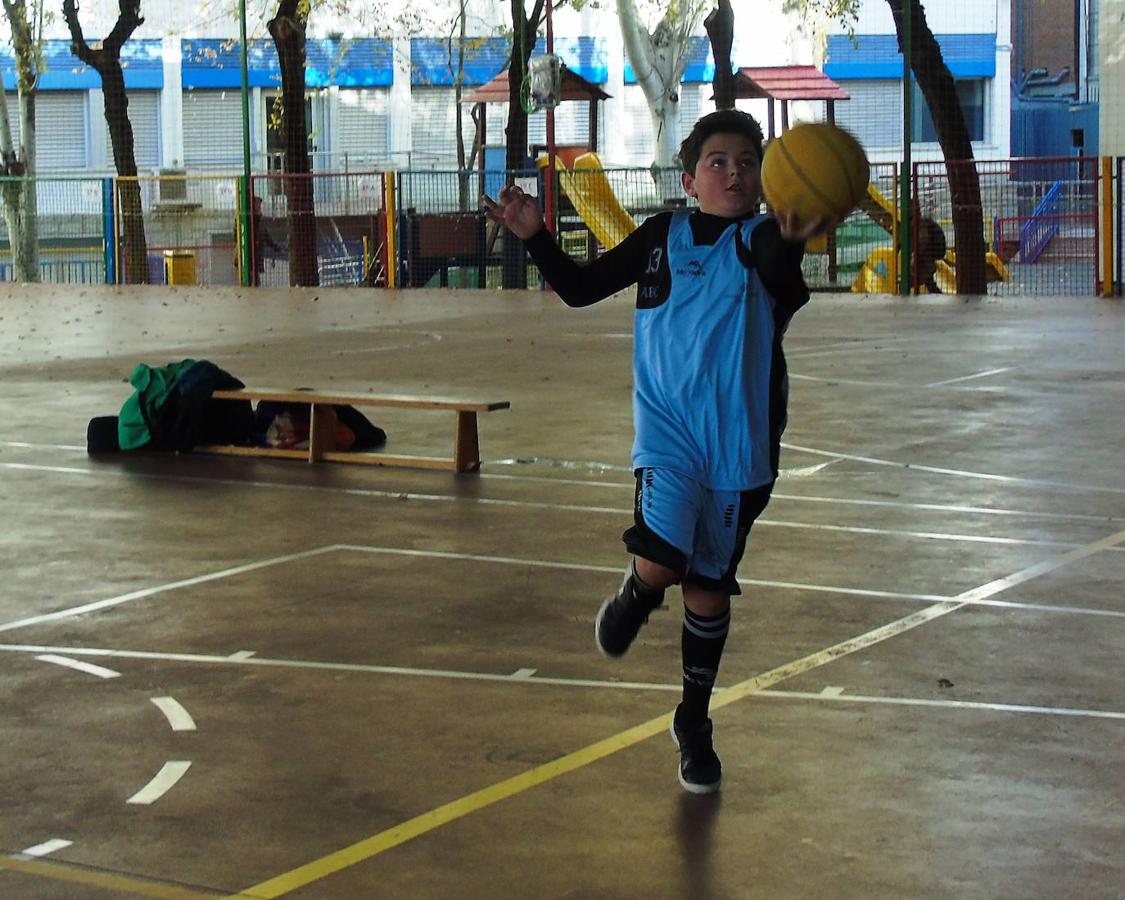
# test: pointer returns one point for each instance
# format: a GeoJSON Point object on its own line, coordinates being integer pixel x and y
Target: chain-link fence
{"type": "Point", "coordinates": [1039, 219]}
{"type": "Point", "coordinates": [324, 228]}
{"type": "Point", "coordinates": [63, 241]}
{"type": "Point", "coordinates": [1041, 226]}
{"type": "Point", "coordinates": [177, 229]}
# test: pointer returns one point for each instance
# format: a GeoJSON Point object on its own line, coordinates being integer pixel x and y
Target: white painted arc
{"type": "Point", "coordinates": [164, 780]}
{"type": "Point", "coordinates": [178, 717]}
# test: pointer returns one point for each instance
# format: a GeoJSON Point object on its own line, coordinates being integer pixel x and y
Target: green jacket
{"type": "Point", "coordinates": [153, 387]}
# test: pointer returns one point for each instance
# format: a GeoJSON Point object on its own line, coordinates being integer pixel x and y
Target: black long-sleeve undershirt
{"type": "Point", "coordinates": [778, 262]}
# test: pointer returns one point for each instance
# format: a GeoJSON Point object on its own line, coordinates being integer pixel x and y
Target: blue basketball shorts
{"type": "Point", "coordinates": [687, 527]}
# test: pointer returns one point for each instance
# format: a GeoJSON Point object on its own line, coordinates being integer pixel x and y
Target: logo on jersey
{"type": "Point", "coordinates": [693, 269]}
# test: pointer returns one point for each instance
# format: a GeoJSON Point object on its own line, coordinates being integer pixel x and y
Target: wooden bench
{"type": "Point", "coordinates": [322, 428]}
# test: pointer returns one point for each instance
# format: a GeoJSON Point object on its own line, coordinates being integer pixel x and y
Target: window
{"type": "Point", "coordinates": [970, 92]}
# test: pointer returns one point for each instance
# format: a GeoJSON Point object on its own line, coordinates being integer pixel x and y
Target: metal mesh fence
{"type": "Point", "coordinates": [187, 225]}
{"type": "Point", "coordinates": [861, 255]}
{"type": "Point", "coordinates": [1040, 222]}
{"type": "Point", "coordinates": [67, 241]}
{"type": "Point", "coordinates": [1039, 219]}
{"type": "Point", "coordinates": [327, 229]}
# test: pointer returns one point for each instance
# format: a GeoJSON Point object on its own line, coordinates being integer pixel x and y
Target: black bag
{"type": "Point", "coordinates": [101, 435]}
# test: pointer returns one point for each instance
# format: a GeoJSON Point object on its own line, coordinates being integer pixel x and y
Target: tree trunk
{"type": "Point", "coordinates": [106, 61]}
{"type": "Point", "coordinates": [288, 31]}
{"type": "Point", "coordinates": [658, 62]}
{"type": "Point", "coordinates": [18, 162]}
{"type": "Point", "coordinates": [25, 243]}
{"type": "Point", "coordinates": [940, 92]}
{"type": "Point", "coordinates": [134, 247]}
{"type": "Point", "coordinates": [719, 25]}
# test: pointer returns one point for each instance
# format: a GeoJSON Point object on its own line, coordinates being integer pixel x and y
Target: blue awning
{"type": "Point", "coordinates": [430, 59]}
{"type": "Point", "coordinates": [216, 63]}
{"type": "Point", "coordinates": [141, 64]}
{"type": "Point", "coordinates": [877, 56]}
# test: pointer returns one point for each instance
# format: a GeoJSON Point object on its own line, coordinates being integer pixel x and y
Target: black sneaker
{"type": "Point", "coordinates": [621, 617]}
{"type": "Point", "coordinates": [700, 769]}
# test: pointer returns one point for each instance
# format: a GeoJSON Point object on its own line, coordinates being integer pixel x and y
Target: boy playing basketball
{"type": "Point", "coordinates": [716, 288]}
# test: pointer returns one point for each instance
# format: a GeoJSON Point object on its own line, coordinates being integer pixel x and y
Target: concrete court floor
{"type": "Point", "coordinates": [382, 683]}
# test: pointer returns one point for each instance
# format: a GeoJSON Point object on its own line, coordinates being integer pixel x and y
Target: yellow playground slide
{"type": "Point", "coordinates": [593, 198]}
{"type": "Point", "coordinates": [879, 274]}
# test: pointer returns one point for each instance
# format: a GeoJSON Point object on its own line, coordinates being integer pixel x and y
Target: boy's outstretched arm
{"type": "Point", "coordinates": [576, 285]}
{"type": "Point", "coordinates": [515, 210]}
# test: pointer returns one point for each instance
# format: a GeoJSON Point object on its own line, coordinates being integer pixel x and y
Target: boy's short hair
{"type": "Point", "coordinates": [723, 121]}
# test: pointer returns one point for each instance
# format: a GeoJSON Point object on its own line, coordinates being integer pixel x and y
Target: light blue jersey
{"type": "Point", "coordinates": [701, 365]}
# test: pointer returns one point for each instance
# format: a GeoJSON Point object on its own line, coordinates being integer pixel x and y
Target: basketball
{"type": "Point", "coordinates": [814, 169]}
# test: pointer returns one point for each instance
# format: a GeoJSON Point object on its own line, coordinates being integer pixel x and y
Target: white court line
{"type": "Point", "coordinates": [546, 564]}
{"type": "Point", "coordinates": [977, 595]}
{"type": "Point", "coordinates": [908, 533]}
{"type": "Point", "coordinates": [44, 849]}
{"type": "Point", "coordinates": [29, 446]}
{"type": "Point", "coordinates": [766, 521]}
{"type": "Point", "coordinates": [159, 589]}
{"type": "Point", "coordinates": [944, 507]}
{"type": "Point", "coordinates": [178, 717]}
{"type": "Point", "coordinates": [870, 344]}
{"type": "Point", "coordinates": [527, 676]}
{"type": "Point", "coordinates": [317, 665]}
{"type": "Point", "coordinates": [162, 782]}
{"type": "Point", "coordinates": [960, 473]}
{"type": "Point", "coordinates": [751, 582]}
{"type": "Point", "coordinates": [613, 485]}
{"type": "Point", "coordinates": [79, 666]}
{"type": "Point", "coordinates": [968, 377]}
{"type": "Point", "coordinates": [836, 695]}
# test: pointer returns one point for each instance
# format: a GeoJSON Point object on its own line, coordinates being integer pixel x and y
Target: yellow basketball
{"type": "Point", "coordinates": [814, 169]}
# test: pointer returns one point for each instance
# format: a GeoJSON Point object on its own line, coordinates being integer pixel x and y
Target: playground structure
{"type": "Point", "coordinates": [879, 274]}
{"type": "Point", "coordinates": [589, 190]}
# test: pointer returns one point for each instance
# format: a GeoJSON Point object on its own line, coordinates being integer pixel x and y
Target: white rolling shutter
{"type": "Point", "coordinates": [13, 116]}
{"type": "Point", "coordinates": [60, 130]}
{"type": "Point", "coordinates": [212, 122]}
{"type": "Point", "coordinates": [874, 113]}
{"type": "Point", "coordinates": [434, 119]}
{"type": "Point", "coordinates": [694, 104]}
{"type": "Point", "coordinates": [361, 126]}
{"type": "Point", "coordinates": [144, 116]}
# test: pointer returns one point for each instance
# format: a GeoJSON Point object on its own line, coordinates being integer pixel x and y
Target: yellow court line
{"type": "Point", "coordinates": [442, 815]}
{"type": "Point", "coordinates": [138, 887]}
{"type": "Point", "coordinates": [419, 825]}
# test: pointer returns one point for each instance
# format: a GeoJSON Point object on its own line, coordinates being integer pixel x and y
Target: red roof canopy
{"type": "Point", "coordinates": [574, 87]}
{"type": "Point", "coordinates": [786, 83]}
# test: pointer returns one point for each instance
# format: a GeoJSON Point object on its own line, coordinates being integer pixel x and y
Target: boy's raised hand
{"type": "Point", "coordinates": [793, 229]}
{"type": "Point", "coordinates": [516, 210]}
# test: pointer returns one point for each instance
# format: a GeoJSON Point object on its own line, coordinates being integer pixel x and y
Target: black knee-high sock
{"type": "Point", "coordinates": [650, 596]}
{"type": "Point", "coordinates": [702, 644]}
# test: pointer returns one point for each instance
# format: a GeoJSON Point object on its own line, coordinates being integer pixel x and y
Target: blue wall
{"type": "Point", "coordinates": [1042, 126]}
